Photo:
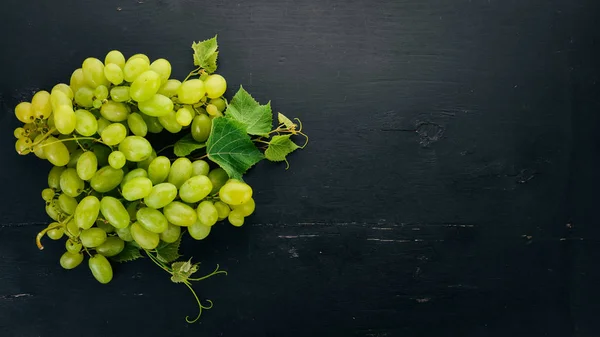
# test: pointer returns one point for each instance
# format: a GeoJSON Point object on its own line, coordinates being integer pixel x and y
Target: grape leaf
{"type": "Point", "coordinates": [187, 145]}
{"type": "Point", "coordinates": [280, 147]}
{"type": "Point", "coordinates": [286, 121]}
{"type": "Point", "coordinates": [168, 252]}
{"type": "Point", "coordinates": [182, 271]}
{"type": "Point", "coordinates": [257, 119]}
{"type": "Point", "coordinates": [129, 253]}
{"type": "Point", "coordinates": [205, 54]}
{"type": "Point", "coordinates": [231, 148]}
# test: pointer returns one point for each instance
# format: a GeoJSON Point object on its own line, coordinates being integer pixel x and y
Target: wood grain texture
{"type": "Point", "coordinates": [449, 187]}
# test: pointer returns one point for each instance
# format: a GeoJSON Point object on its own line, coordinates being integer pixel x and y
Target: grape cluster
{"type": "Point", "coordinates": [108, 186]}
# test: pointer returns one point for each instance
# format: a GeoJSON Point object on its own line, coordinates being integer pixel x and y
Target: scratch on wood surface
{"type": "Point", "coordinates": [10, 297]}
{"type": "Point", "coordinates": [297, 236]}
{"type": "Point", "coordinates": [403, 240]}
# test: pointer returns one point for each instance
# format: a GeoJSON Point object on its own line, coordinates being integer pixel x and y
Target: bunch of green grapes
{"type": "Point", "coordinates": [108, 186]}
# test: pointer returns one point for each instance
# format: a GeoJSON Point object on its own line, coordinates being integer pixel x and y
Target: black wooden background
{"type": "Point", "coordinates": [449, 188]}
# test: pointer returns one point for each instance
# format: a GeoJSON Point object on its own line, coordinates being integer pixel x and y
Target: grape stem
{"type": "Point", "coordinates": [40, 235]}
{"type": "Point", "coordinates": [46, 135]}
{"type": "Point", "coordinates": [193, 72]}
{"type": "Point", "coordinates": [74, 138]}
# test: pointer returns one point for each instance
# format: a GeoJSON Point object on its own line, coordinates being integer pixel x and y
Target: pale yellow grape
{"type": "Point", "coordinates": [171, 234]}
{"type": "Point", "coordinates": [55, 151]}
{"type": "Point", "coordinates": [38, 150]}
{"type": "Point", "coordinates": [158, 169]}
{"type": "Point", "coordinates": [120, 94]}
{"type": "Point", "coordinates": [134, 67]}
{"type": "Point", "coordinates": [180, 214]}
{"type": "Point", "coordinates": [77, 80]}
{"type": "Point", "coordinates": [198, 231]}
{"type": "Point", "coordinates": [87, 165]}
{"type": "Point", "coordinates": [114, 111]}
{"type": "Point", "coordinates": [222, 209]}
{"type": "Point", "coordinates": [184, 116]}
{"type": "Point", "coordinates": [146, 162]}
{"type": "Point", "coordinates": [65, 89]}
{"type": "Point", "coordinates": [23, 146]}
{"type": "Point", "coordinates": [219, 103]}
{"type": "Point", "coordinates": [145, 86]}
{"type": "Point", "coordinates": [58, 99]}
{"type": "Point", "coordinates": [84, 97]}
{"type": "Point", "coordinates": [158, 105]}
{"type": "Point", "coordinates": [101, 92]}
{"type": "Point", "coordinates": [170, 88]}
{"type": "Point", "coordinates": [169, 122]}
{"type": "Point", "coordinates": [93, 72]}
{"type": "Point", "coordinates": [86, 124]}
{"type": "Point", "coordinates": [235, 192]}
{"type": "Point", "coordinates": [106, 179]}
{"type": "Point", "coordinates": [215, 86]}
{"type": "Point", "coordinates": [207, 213]}
{"type": "Point", "coordinates": [113, 73]}
{"type": "Point", "coordinates": [102, 124]}
{"type": "Point", "coordinates": [40, 104]}
{"type": "Point", "coordinates": [247, 208]}
{"type": "Point", "coordinates": [236, 218]}
{"type": "Point", "coordinates": [163, 68]}
{"type": "Point", "coordinates": [137, 188]}
{"type": "Point", "coordinates": [114, 134]}
{"type": "Point", "coordinates": [65, 119]}
{"type": "Point", "coordinates": [117, 159]}
{"type": "Point", "coordinates": [116, 57]}
{"type": "Point", "coordinates": [137, 125]}
{"type": "Point", "coordinates": [143, 237]}
{"type": "Point", "coordinates": [24, 112]}
{"type": "Point", "coordinates": [191, 91]}
{"type": "Point", "coordinates": [161, 195]}
{"type": "Point", "coordinates": [140, 56]}
{"type": "Point", "coordinates": [135, 148]}
{"type": "Point", "coordinates": [181, 170]}
{"type": "Point", "coordinates": [212, 110]}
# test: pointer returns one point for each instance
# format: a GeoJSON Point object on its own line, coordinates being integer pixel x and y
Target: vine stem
{"type": "Point", "coordinates": [200, 306]}
{"type": "Point", "coordinates": [46, 135]}
{"type": "Point", "coordinates": [215, 272]}
{"type": "Point", "coordinates": [158, 263]}
{"type": "Point", "coordinates": [74, 138]}
{"type": "Point", "coordinates": [40, 235]}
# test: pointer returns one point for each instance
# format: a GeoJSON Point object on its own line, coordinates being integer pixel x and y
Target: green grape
{"type": "Point", "coordinates": [198, 231]}
{"type": "Point", "coordinates": [101, 268]}
{"type": "Point", "coordinates": [236, 218]}
{"type": "Point", "coordinates": [96, 104]}
{"type": "Point", "coordinates": [71, 260]}
{"type": "Point", "coordinates": [87, 165]}
{"type": "Point", "coordinates": [72, 229]}
{"type": "Point", "coordinates": [59, 98]}
{"type": "Point", "coordinates": [38, 150]}
{"type": "Point", "coordinates": [84, 97]}
{"type": "Point", "coordinates": [145, 86]}
{"type": "Point", "coordinates": [86, 212]}
{"type": "Point", "coordinates": [92, 237]}
{"type": "Point", "coordinates": [124, 233]}
{"type": "Point", "coordinates": [169, 122]}
{"type": "Point", "coordinates": [219, 103]}
{"type": "Point", "coordinates": [116, 57]}
{"type": "Point", "coordinates": [163, 68]}
{"type": "Point", "coordinates": [70, 183]}
{"type": "Point", "coordinates": [171, 234]}
{"type": "Point", "coordinates": [222, 209]}
{"type": "Point", "coordinates": [137, 125]}
{"type": "Point", "coordinates": [24, 112]}
{"type": "Point", "coordinates": [120, 94]}
{"type": "Point", "coordinates": [53, 210]}
{"type": "Point", "coordinates": [201, 125]}
{"type": "Point", "coordinates": [246, 208]}
{"type": "Point", "coordinates": [158, 170]}
{"type": "Point", "coordinates": [158, 105]}
{"type": "Point", "coordinates": [218, 177]}
{"type": "Point", "coordinates": [114, 134]}
{"type": "Point", "coordinates": [215, 86]}
{"type": "Point", "coordinates": [218, 114]}
{"type": "Point", "coordinates": [40, 104]}
{"type": "Point", "coordinates": [146, 162]}
{"type": "Point", "coordinates": [114, 111]}
{"type": "Point", "coordinates": [161, 195]}
{"type": "Point", "coordinates": [137, 188]}
{"type": "Point", "coordinates": [152, 123]}
{"type": "Point", "coordinates": [65, 89]}
{"type": "Point", "coordinates": [93, 72]}
{"type": "Point", "coordinates": [102, 124]}
{"type": "Point", "coordinates": [19, 133]}
{"type": "Point", "coordinates": [200, 168]}
{"type": "Point", "coordinates": [114, 212]}
{"type": "Point", "coordinates": [102, 152]}
{"type": "Point", "coordinates": [184, 116]}
{"type": "Point", "coordinates": [181, 170]}
{"type": "Point", "coordinates": [111, 247]}
{"type": "Point", "coordinates": [23, 146]}
{"type": "Point", "coordinates": [135, 148]}
{"type": "Point", "coordinates": [101, 92]}
{"type": "Point", "coordinates": [65, 119]}
{"type": "Point", "coordinates": [56, 233]}
{"type": "Point", "coordinates": [195, 189]}
{"type": "Point", "coordinates": [138, 172]}
{"type": "Point", "coordinates": [180, 214]}
{"type": "Point", "coordinates": [73, 247]}
{"type": "Point", "coordinates": [207, 213]}
{"type": "Point", "coordinates": [141, 56]}
{"type": "Point", "coordinates": [235, 192]}
{"type": "Point", "coordinates": [75, 158]}
{"type": "Point", "coordinates": [212, 110]}
{"type": "Point", "coordinates": [106, 179]}
{"type": "Point", "coordinates": [134, 67]}
{"type": "Point", "coordinates": [86, 124]}
{"type": "Point", "coordinates": [67, 204]}
{"type": "Point", "coordinates": [104, 225]}
{"type": "Point", "coordinates": [48, 194]}
{"type": "Point", "coordinates": [152, 220]}
{"type": "Point", "coordinates": [132, 208]}
{"type": "Point", "coordinates": [117, 159]}
{"type": "Point", "coordinates": [204, 76]}
{"type": "Point", "coordinates": [113, 73]}
{"type": "Point", "coordinates": [143, 237]}
{"type": "Point", "coordinates": [191, 91]}
{"type": "Point", "coordinates": [170, 88]}
{"type": "Point", "coordinates": [54, 177]}
{"type": "Point", "coordinates": [77, 80]}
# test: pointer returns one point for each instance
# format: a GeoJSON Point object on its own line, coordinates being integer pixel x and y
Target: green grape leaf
{"type": "Point", "coordinates": [168, 252]}
{"type": "Point", "coordinates": [187, 145]}
{"type": "Point", "coordinates": [257, 119]}
{"type": "Point", "coordinates": [205, 54]}
{"type": "Point", "coordinates": [280, 147]}
{"type": "Point", "coordinates": [286, 121]}
{"type": "Point", "coordinates": [129, 253]}
{"type": "Point", "coordinates": [231, 148]}
{"type": "Point", "coordinates": [182, 271]}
